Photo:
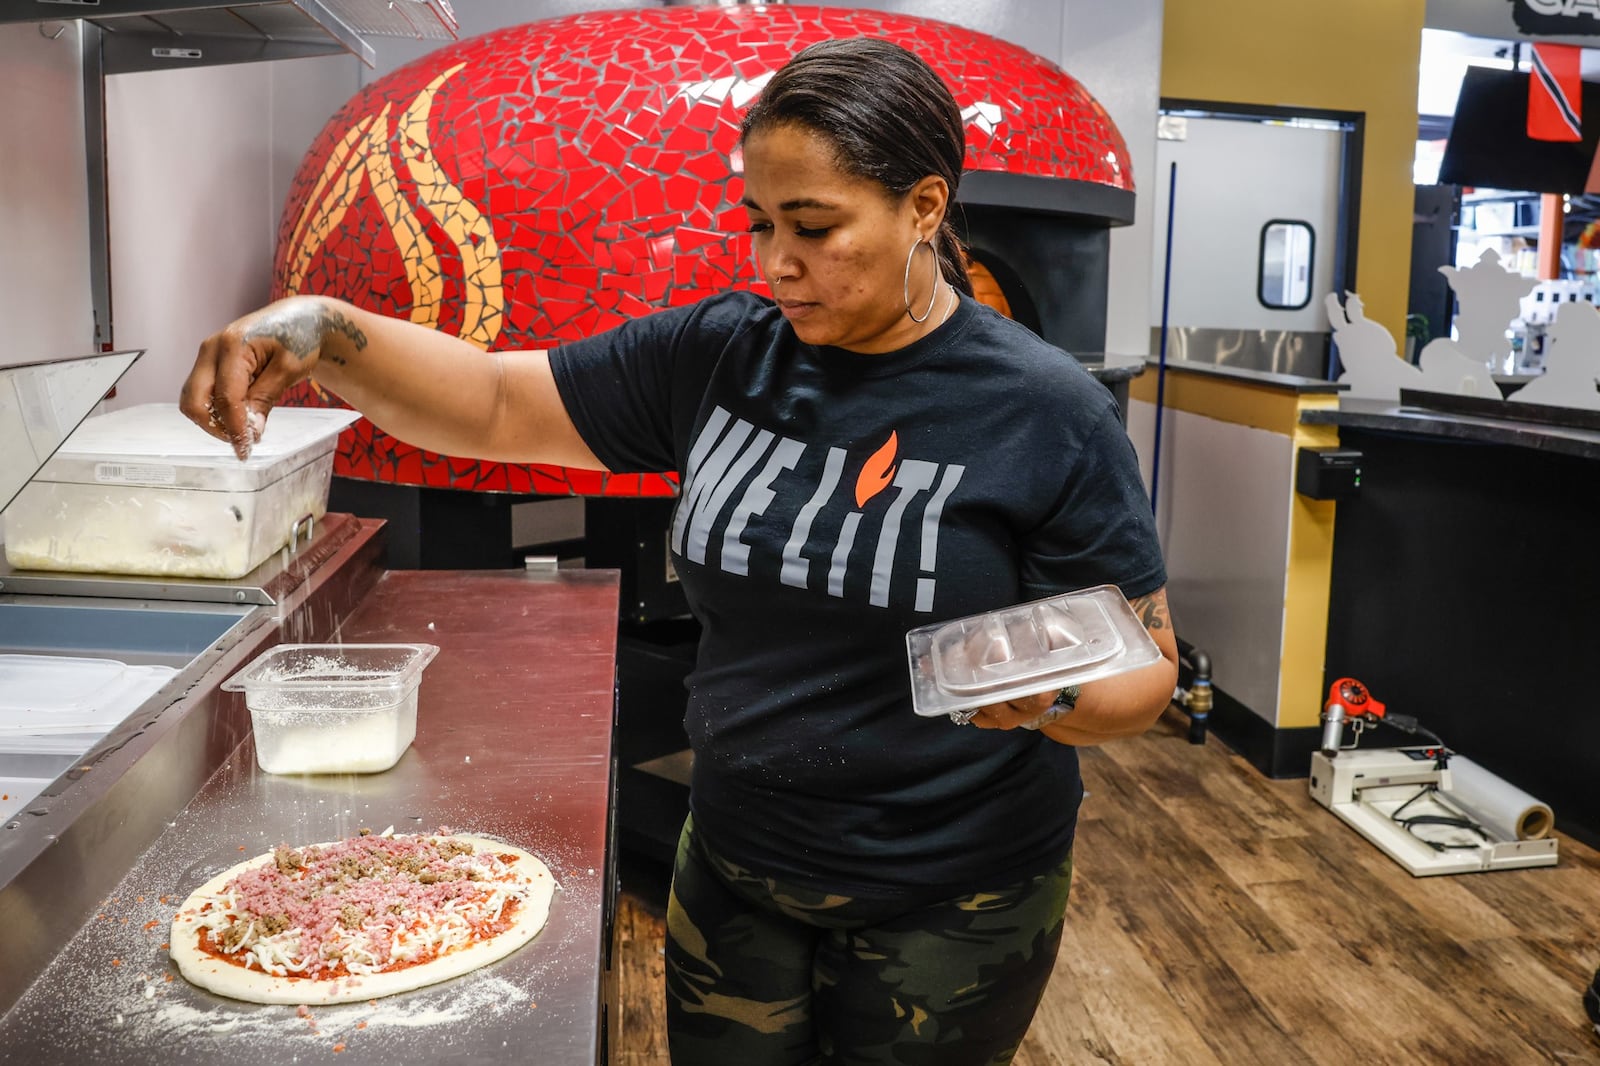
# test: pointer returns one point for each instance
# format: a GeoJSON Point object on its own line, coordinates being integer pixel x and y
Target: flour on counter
{"type": "Point", "coordinates": [471, 1000]}
{"type": "Point", "coordinates": [92, 1002]}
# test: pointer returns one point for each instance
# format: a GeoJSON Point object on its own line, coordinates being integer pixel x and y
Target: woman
{"type": "Point", "coordinates": [868, 452]}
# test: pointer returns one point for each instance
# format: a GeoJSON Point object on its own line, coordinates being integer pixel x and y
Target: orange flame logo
{"type": "Point", "coordinates": [878, 471]}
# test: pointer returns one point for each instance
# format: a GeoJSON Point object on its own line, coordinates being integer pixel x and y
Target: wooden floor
{"type": "Point", "coordinates": [1219, 918]}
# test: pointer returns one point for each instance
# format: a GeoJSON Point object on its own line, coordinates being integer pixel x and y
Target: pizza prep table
{"type": "Point", "coordinates": [514, 741]}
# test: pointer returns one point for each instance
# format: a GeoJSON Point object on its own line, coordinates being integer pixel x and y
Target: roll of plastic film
{"type": "Point", "coordinates": [1497, 805]}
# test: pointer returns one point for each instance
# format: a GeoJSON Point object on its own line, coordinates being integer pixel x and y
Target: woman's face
{"type": "Point", "coordinates": [833, 246]}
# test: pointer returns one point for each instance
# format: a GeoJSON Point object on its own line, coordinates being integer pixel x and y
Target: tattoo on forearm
{"type": "Point", "coordinates": [338, 322]}
{"type": "Point", "coordinates": [1152, 611]}
{"type": "Point", "coordinates": [301, 330]}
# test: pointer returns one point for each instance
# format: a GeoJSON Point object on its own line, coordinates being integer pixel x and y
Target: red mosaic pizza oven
{"type": "Point", "coordinates": [540, 183]}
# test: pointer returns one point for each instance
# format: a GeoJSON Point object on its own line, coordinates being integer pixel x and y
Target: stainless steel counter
{"type": "Point", "coordinates": [514, 736]}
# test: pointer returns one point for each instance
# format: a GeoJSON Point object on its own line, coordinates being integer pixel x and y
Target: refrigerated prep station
{"type": "Point", "coordinates": [130, 773]}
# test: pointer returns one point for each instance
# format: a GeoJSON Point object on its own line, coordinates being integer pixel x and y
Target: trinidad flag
{"type": "Point", "coordinates": [1555, 93]}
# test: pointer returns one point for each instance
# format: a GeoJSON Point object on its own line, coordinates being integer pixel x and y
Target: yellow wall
{"type": "Point", "coordinates": [1353, 55]}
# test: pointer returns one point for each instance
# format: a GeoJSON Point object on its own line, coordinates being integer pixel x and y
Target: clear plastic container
{"type": "Point", "coordinates": [143, 491]}
{"type": "Point", "coordinates": [967, 663]}
{"type": "Point", "coordinates": [63, 704]}
{"type": "Point", "coordinates": [333, 708]}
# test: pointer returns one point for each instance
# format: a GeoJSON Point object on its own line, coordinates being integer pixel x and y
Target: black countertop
{"type": "Point", "coordinates": [1291, 382]}
{"type": "Point", "coordinates": [1393, 417]}
{"type": "Point", "coordinates": [1111, 369]}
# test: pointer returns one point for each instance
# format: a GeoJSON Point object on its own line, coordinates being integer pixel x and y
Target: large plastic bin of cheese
{"type": "Point", "coordinates": [56, 704]}
{"type": "Point", "coordinates": [144, 491]}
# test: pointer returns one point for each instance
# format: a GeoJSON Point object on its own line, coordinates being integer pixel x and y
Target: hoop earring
{"type": "Point", "coordinates": [906, 287]}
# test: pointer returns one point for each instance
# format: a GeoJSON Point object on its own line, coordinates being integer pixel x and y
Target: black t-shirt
{"type": "Point", "coordinates": [831, 502]}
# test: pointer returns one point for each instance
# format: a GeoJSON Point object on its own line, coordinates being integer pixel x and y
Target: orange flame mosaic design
{"type": "Point", "coordinates": [541, 183]}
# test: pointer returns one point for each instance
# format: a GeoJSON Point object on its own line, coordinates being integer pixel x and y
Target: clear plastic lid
{"type": "Point", "coordinates": [967, 663]}
{"type": "Point", "coordinates": [45, 695]}
{"type": "Point", "coordinates": [155, 444]}
{"type": "Point", "coordinates": [161, 431]}
{"type": "Point", "coordinates": [307, 669]}
{"type": "Point", "coordinates": [71, 745]}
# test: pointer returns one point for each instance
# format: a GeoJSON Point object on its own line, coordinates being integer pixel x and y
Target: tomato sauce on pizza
{"type": "Point", "coordinates": [357, 908]}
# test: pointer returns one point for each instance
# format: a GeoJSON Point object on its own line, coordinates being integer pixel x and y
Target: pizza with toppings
{"type": "Point", "coordinates": [359, 918]}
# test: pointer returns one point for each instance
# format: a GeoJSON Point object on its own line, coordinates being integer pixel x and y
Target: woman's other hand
{"type": "Point", "coordinates": [1013, 714]}
{"type": "Point", "coordinates": [241, 372]}
{"type": "Point", "coordinates": [1123, 705]}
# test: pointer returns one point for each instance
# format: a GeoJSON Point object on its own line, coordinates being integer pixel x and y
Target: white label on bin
{"type": "Point", "coordinates": [135, 474]}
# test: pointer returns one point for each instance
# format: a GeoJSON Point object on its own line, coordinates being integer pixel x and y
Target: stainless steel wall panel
{"type": "Point", "coordinates": [1224, 528]}
{"type": "Point", "coordinates": [1303, 354]}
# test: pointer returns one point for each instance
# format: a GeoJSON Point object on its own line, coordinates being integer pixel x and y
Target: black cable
{"type": "Point", "coordinates": [1448, 821]}
{"type": "Point", "coordinates": [1407, 724]}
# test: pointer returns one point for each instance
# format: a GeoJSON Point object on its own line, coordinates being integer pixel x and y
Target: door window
{"type": "Point", "coordinates": [1283, 274]}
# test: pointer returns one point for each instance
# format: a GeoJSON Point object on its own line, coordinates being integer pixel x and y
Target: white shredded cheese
{"type": "Point", "coordinates": [445, 929]}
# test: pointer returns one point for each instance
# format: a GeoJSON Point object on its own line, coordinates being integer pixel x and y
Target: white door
{"type": "Point", "coordinates": [1257, 216]}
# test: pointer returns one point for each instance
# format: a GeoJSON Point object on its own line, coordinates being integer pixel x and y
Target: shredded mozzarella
{"type": "Point", "coordinates": [435, 918]}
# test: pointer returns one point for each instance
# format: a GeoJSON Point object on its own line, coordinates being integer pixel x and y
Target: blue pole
{"type": "Point", "coordinates": [1161, 363]}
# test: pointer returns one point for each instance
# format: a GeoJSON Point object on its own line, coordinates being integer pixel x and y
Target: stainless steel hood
{"type": "Point", "coordinates": [162, 34]}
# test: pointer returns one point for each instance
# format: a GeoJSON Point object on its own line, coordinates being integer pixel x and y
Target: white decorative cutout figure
{"type": "Point", "coordinates": [1571, 375]}
{"type": "Point", "coordinates": [1539, 310]}
{"type": "Point", "coordinates": [1488, 297]}
{"type": "Point", "coordinates": [1446, 369]}
{"type": "Point", "coordinates": [1372, 365]}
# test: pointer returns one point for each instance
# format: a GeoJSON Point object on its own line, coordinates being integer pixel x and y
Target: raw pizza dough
{"type": "Point", "coordinates": [533, 887]}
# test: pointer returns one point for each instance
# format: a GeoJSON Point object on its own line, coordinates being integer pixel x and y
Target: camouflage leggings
{"type": "Point", "coordinates": [763, 974]}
